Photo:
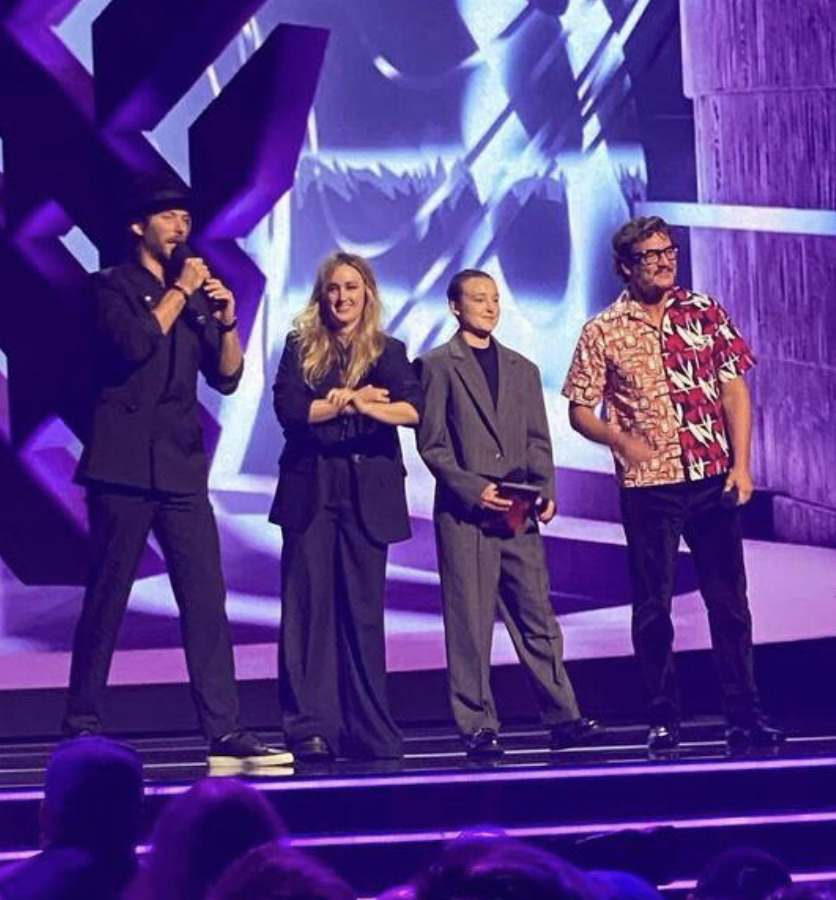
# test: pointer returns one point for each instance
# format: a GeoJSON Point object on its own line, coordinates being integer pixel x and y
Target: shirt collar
{"type": "Point", "coordinates": [625, 305]}
{"type": "Point", "coordinates": [139, 275]}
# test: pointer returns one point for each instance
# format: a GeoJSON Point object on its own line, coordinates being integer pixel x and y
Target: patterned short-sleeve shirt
{"type": "Point", "coordinates": [662, 383]}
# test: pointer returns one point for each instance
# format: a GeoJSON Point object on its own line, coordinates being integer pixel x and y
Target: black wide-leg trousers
{"type": "Point", "coordinates": [332, 656]}
{"type": "Point", "coordinates": [184, 525]}
{"type": "Point", "coordinates": [654, 519]}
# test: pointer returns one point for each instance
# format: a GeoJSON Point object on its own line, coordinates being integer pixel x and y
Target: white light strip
{"type": "Point", "coordinates": [797, 878]}
{"type": "Point", "coordinates": [517, 774]}
{"type": "Point", "coordinates": [820, 222]}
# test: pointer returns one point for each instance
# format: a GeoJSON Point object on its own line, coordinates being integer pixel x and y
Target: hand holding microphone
{"type": "Point", "coordinates": [193, 275]}
{"type": "Point", "coordinates": [201, 287]}
{"type": "Point", "coordinates": [192, 270]}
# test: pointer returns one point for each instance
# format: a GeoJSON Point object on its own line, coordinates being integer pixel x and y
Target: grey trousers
{"type": "Point", "coordinates": [479, 572]}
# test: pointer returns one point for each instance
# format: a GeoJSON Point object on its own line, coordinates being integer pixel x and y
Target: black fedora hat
{"type": "Point", "coordinates": [157, 193]}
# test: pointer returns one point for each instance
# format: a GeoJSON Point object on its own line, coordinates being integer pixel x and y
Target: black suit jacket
{"type": "Point", "coordinates": [145, 430]}
{"type": "Point", "coordinates": [372, 447]}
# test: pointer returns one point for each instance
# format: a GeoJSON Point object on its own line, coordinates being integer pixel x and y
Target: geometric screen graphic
{"type": "Point", "coordinates": [512, 136]}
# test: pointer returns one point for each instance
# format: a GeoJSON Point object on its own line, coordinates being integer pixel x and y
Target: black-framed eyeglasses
{"type": "Point", "coordinates": [652, 257]}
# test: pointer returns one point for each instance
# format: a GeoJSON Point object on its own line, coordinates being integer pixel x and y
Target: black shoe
{"type": "Point", "coordinates": [662, 738]}
{"type": "Point", "coordinates": [81, 733]}
{"type": "Point", "coordinates": [756, 733]}
{"type": "Point", "coordinates": [243, 748]}
{"type": "Point", "coordinates": [484, 744]}
{"type": "Point", "coordinates": [578, 731]}
{"type": "Point", "coordinates": [313, 749]}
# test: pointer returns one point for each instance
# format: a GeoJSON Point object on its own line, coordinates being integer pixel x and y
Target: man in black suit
{"type": "Point", "coordinates": [158, 323]}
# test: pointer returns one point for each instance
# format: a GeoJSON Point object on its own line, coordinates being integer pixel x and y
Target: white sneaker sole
{"type": "Point", "coordinates": [266, 761]}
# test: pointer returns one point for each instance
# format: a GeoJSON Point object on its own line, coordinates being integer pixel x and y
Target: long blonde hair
{"type": "Point", "coordinates": [318, 343]}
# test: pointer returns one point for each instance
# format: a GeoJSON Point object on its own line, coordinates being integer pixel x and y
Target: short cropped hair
{"type": "Point", "coordinates": [275, 871]}
{"type": "Point", "coordinates": [200, 832]}
{"type": "Point", "coordinates": [631, 233]}
{"type": "Point", "coordinates": [93, 794]}
{"type": "Point", "coordinates": [742, 873]}
{"type": "Point", "coordinates": [454, 289]}
{"type": "Point", "coordinates": [487, 867]}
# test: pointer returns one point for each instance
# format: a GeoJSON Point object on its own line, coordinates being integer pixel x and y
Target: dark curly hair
{"type": "Point", "coordinates": [631, 233]}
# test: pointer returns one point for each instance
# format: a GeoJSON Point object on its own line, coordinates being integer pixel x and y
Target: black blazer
{"type": "Point", "coordinates": [145, 430]}
{"type": "Point", "coordinates": [372, 447]}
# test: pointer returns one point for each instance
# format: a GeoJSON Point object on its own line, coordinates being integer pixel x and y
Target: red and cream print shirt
{"type": "Point", "coordinates": [662, 383]}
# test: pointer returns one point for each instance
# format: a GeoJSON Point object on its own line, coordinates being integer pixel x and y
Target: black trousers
{"type": "Point", "coordinates": [184, 525]}
{"type": "Point", "coordinates": [332, 656]}
{"type": "Point", "coordinates": [654, 519]}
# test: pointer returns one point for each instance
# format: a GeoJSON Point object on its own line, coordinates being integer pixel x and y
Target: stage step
{"type": "Point", "coordinates": [604, 807]}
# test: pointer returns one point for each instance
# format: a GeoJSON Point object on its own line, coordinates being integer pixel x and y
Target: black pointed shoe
{"type": "Point", "coordinates": [484, 744]}
{"type": "Point", "coordinates": [756, 733]}
{"type": "Point", "coordinates": [662, 739]}
{"type": "Point", "coordinates": [314, 748]}
{"type": "Point", "coordinates": [575, 732]}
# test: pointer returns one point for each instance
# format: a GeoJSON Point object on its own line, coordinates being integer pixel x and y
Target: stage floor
{"type": "Point", "coordinates": [179, 760]}
{"type": "Point", "coordinates": [792, 592]}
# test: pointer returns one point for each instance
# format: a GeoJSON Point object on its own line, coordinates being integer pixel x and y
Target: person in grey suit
{"type": "Point", "coordinates": [485, 422]}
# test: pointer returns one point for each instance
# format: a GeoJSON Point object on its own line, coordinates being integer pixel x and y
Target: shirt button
{"type": "Point", "coordinates": [497, 455]}
{"type": "Point", "coordinates": [147, 299]}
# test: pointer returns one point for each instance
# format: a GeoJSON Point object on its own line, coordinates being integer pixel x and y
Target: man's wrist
{"type": "Point", "coordinates": [616, 439]}
{"type": "Point", "coordinates": [181, 290]}
{"type": "Point", "coordinates": [226, 327]}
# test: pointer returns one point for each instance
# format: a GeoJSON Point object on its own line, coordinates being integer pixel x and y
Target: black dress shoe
{"type": "Point", "coordinates": [484, 744]}
{"type": "Point", "coordinates": [312, 749]}
{"type": "Point", "coordinates": [577, 731]}
{"type": "Point", "coordinates": [662, 738]}
{"type": "Point", "coordinates": [81, 733]}
{"type": "Point", "coordinates": [755, 733]}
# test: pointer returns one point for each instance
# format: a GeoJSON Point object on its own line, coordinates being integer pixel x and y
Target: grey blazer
{"type": "Point", "coordinates": [466, 442]}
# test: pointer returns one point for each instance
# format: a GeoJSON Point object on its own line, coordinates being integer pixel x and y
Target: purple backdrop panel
{"type": "Point", "coordinates": [245, 145]}
{"type": "Point", "coordinates": [148, 53]}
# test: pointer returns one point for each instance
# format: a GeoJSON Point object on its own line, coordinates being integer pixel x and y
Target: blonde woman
{"type": "Point", "coordinates": [342, 387]}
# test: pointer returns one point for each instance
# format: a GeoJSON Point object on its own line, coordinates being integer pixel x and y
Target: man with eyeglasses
{"type": "Point", "coordinates": [668, 365]}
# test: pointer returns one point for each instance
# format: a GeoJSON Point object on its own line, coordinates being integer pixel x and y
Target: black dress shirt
{"type": "Point", "coordinates": [145, 430]}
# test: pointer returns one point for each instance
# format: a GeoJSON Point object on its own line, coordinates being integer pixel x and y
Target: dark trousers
{"type": "Point", "coordinates": [332, 660]}
{"type": "Point", "coordinates": [654, 519]}
{"type": "Point", "coordinates": [184, 525]}
{"type": "Point", "coordinates": [479, 573]}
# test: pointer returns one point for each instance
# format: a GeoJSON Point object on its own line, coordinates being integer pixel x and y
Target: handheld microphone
{"type": "Point", "coordinates": [179, 255]}
{"type": "Point", "coordinates": [199, 302]}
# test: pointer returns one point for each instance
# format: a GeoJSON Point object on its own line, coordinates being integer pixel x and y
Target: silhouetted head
{"type": "Point", "coordinates": [615, 885]}
{"type": "Point", "coordinates": [199, 833]}
{"type": "Point", "coordinates": [93, 796]}
{"type": "Point", "coordinates": [276, 871]}
{"type": "Point", "coordinates": [807, 890]}
{"type": "Point", "coordinates": [742, 873]}
{"type": "Point", "coordinates": [492, 867]}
